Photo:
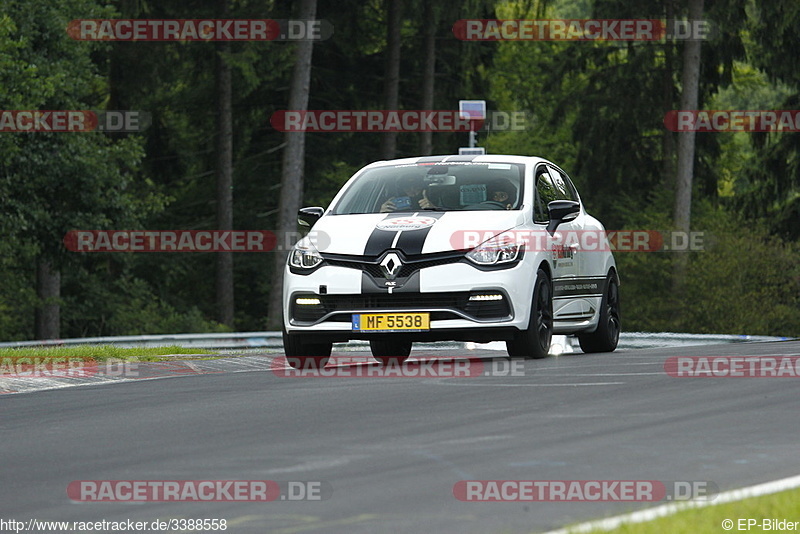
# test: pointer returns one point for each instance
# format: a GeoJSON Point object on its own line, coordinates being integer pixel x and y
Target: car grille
{"type": "Point", "coordinates": [341, 306]}
{"type": "Point", "coordinates": [410, 264]}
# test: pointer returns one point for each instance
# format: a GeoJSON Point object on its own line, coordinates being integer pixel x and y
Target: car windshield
{"type": "Point", "coordinates": [463, 186]}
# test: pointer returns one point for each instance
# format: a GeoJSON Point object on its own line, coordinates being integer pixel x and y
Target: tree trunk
{"type": "Point", "coordinates": [293, 166]}
{"type": "Point", "coordinates": [392, 74]}
{"type": "Point", "coordinates": [428, 73]}
{"type": "Point", "coordinates": [668, 137]}
{"type": "Point", "coordinates": [224, 282]}
{"type": "Point", "coordinates": [690, 83]}
{"type": "Point", "coordinates": [48, 312]}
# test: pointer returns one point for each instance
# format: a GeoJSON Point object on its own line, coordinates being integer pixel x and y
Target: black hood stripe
{"type": "Point", "coordinates": [380, 240]}
{"type": "Point", "coordinates": [410, 242]}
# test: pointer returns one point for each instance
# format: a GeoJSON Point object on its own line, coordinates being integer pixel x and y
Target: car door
{"type": "Point", "coordinates": [565, 270]}
{"type": "Point", "coordinates": [577, 294]}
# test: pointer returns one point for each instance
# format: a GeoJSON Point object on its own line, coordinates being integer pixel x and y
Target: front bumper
{"type": "Point", "coordinates": [444, 291]}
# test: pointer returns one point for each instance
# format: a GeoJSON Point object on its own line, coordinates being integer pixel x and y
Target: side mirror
{"type": "Point", "coordinates": [561, 211]}
{"type": "Point", "coordinates": [309, 216]}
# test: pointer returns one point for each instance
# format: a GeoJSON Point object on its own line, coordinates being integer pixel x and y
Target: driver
{"type": "Point", "coordinates": [502, 192]}
{"type": "Point", "coordinates": [413, 194]}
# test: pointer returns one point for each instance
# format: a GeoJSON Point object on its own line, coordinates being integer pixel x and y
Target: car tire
{"type": "Point", "coordinates": [534, 342]}
{"type": "Point", "coordinates": [302, 354]}
{"type": "Point", "coordinates": [388, 351]}
{"type": "Point", "coordinates": [606, 337]}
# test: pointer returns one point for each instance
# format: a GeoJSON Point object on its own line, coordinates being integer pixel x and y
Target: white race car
{"type": "Point", "coordinates": [470, 248]}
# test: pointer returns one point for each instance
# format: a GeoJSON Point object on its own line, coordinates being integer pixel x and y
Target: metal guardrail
{"type": "Point", "coordinates": [646, 340]}
{"type": "Point", "coordinates": [272, 340]}
{"type": "Point", "coordinates": [219, 340]}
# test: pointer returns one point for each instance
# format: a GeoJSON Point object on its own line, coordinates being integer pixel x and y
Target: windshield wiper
{"type": "Point", "coordinates": [357, 213]}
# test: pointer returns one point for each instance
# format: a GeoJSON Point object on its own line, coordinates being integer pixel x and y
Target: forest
{"type": "Point", "coordinates": [210, 158]}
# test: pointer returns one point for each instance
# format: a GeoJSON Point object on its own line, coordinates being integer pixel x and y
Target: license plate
{"type": "Point", "coordinates": [391, 322]}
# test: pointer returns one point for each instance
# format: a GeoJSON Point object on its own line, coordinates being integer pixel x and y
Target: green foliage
{"type": "Point", "coordinates": [124, 305]}
{"type": "Point", "coordinates": [739, 162]}
{"type": "Point", "coordinates": [646, 277]}
{"type": "Point", "coordinates": [744, 281]}
{"type": "Point", "coordinates": [51, 183]}
{"type": "Point", "coordinates": [773, 184]}
{"type": "Point", "coordinates": [749, 280]}
{"type": "Point", "coordinates": [708, 519]}
{"type": "Point", "coordinates": [17, 295]}
{"type": "Point", "coordinates": [141, 311]}
{"type": "Point", "coordinates": [95, 353]}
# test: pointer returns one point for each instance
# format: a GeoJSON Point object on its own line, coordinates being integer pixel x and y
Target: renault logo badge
{"type": "Point", "coordinates": [390, 265]}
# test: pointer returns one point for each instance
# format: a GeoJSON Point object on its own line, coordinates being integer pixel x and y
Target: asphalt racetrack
{"type": "Point", "coordinates": [388, 451]}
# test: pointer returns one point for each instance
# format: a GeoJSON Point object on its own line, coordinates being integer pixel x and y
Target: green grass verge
{"type": "Point", "coordinates": [780, 506]}
{"type": "Point", "coordinates": [96, 352]}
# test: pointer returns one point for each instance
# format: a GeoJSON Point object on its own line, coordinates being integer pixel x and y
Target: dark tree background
{"type": "Point", "coordinates": [211, 160]}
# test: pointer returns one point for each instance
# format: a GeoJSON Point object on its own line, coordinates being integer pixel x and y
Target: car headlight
{"type": "Point", "coordinates": [304, 255]}
{"type": "Point", "coordinates": [496, 251]}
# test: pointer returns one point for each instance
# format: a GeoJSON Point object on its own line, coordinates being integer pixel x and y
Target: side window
{"type": "Point", "coordinates": [546, 192]}
{"type": "Point", "coordinates": [566, 191]}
